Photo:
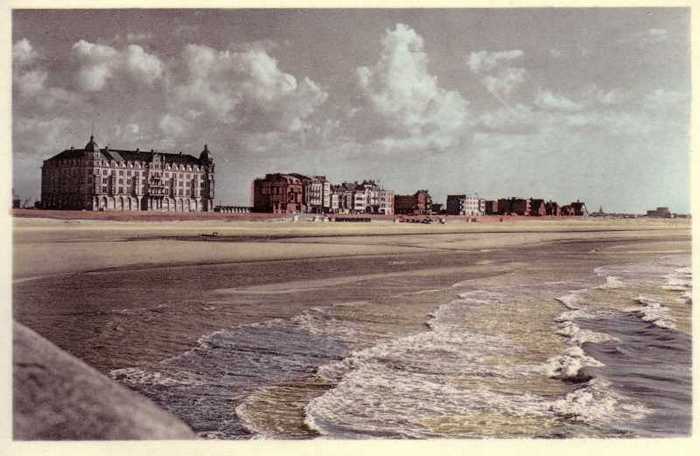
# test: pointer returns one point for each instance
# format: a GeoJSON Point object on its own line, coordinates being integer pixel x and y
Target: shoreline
{"type": "Point", "coordinates": [132, 313]}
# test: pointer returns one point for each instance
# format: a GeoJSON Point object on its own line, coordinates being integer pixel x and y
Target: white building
{"type": "Point", "coordinates": [362, 198]}
{"type": "Point", "coordinates": [465, 205]}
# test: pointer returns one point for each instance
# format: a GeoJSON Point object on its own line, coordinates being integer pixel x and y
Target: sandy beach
{"type": "Point", "coordinates": [262, 328]}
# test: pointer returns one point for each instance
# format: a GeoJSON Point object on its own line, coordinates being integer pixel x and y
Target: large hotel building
{"type": "Point", "coordinates": [127, 180]}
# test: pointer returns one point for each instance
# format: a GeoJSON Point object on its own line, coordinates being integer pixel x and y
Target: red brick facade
{"type": "Point", "coordinates": [278, 193]}
{"type": "Point", "coordinates": [420, 203]}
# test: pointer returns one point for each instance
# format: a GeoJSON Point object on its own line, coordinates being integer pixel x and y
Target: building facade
{"type": "Point", "coordinates": [538, 207]}
{"type": "Point", "coordinates": [514, 206]}
{"type": "Point", "coordinates": [127, 180]}
{"type": "Point", "coordinates": [366, 197]}
{"type": "Point", "coordinates": [278, 193]}
{"type": "Point", "coordinates": [579, 208]}
{"type": "Point", "coordinates": [465, 205]}
{"type": "Point", "coordinates": [552, 208]}
{"type": "Point", "coordinates": [317, 193]}
{"type": "Point", "coordinates": [660, 212]}
{"type": "Point", "coordinates": [491, 207]}
{"type": "Point", "coordinates": [419, 203]}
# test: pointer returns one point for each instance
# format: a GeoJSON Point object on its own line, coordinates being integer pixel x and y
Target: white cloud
{"type": "Point", "coordinates": [661, 99]}
{"type": "Point", "coordinates": [592, 110]}
{"type": "Point", "coordinates": [23, 52]}
{"type": "Point", "coordinates": [59, 99]}
{"type": "Point", "coordinates": [35, 93]}
{"type": "Point", "coordinates": [30, 83]}
{"type": "Point", "coordinates": [547, 100]}
{"type": "Point", "coordinates": [143, 66]}
{"type": "Point", "coordinates": [517, 119]}
{"type": "Point", "coordinates": [122, 133]}
{"type": "Point", "coordinates": [133, 129]}
{"type": "Point", "coordinates": [403, 93]}
{"type": "Point", "coordinates": [485, 61]}
{"type": "Point", "coordinates": [495, 71]}
{"type": "Point", "coordinates": [246, 87]}
{"type": "Point", "coordinates": [172, 125]}
{"type": "Point", "coordinates": [505, 81]}
{"type": "Point", "coordinates": [98, 63]}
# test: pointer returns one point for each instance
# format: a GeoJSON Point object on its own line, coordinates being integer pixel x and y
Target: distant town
{"type": "Point", "coordinates": [105, 179]}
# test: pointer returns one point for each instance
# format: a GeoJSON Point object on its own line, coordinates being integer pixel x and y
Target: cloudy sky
{"type": "Point", "coordinates": [562, 104]}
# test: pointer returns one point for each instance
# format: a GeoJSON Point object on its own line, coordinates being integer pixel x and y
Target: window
{"type": "Point", "coordinates": [121, 173]}
{"type": "Point", "coordinates": [104, 188]}
{"type": "Point", "coordinates": [121, 181]}
{"type": "Point", "coordinates": [128, 173]}
{"type": "Point", "coordinates": [104, 172]}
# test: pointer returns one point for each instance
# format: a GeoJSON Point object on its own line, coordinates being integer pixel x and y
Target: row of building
{"type": "Point", "coordinates": [288, 193]}
{"type": "Point", "coordinates": [474, 206]}
{"type": "Point", "coordinates": [95, 178]}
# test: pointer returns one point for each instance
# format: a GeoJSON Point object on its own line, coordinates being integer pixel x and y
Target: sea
{"type": "Point", "coordinates": [597, 351]}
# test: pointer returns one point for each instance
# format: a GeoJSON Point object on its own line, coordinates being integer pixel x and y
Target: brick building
{"type": "Point", "coordinates": [419, 203]}
{"type": "Point", "coordinates": [552, 208]}
{"type": "Point", "coordinates": [514, 206]}
{"type": "Point", "coordinates": [537, 207]}
{"type": "Point", "coordinates": [491, 207]}
{"type": "Point", "coordinates": [579, 208]}
{"type": "Point", "coordinates": [94, 178]}
{"type": "Point", "coordinates": [567, 211]}
{"type": "Point", "coordinates": [278, 193]}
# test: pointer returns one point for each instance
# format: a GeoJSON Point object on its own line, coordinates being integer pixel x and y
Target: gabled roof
{"type": "Point", "coordinates": [121, 155]}
{"type": "Point", "coordinates": [68, 154]}
{"type": "Point", "coordinates": [290, 178]}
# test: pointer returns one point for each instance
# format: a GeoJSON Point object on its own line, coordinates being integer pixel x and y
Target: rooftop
{"type": "Point", "coordinates": [120, 155]}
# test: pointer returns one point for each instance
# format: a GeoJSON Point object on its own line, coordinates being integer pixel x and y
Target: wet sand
{"type": "Point", "coordinates": [149, 296]}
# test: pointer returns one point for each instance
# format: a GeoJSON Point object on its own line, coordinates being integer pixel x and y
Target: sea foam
{"type": "Point", "coordinates": [597, 403]}
{"type": "Point", "coordinates": [653, 312]}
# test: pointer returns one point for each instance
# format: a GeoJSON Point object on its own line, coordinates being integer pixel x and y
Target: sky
{"type": "Point", "coordinates": [563, 104]}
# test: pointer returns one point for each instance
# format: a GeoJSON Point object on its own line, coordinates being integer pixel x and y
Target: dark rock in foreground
{"type": "Point", "coordinates": [58, 397]}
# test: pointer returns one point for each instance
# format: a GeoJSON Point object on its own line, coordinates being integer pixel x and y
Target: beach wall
{"type": "Point", "coordinates": [58, 397]}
